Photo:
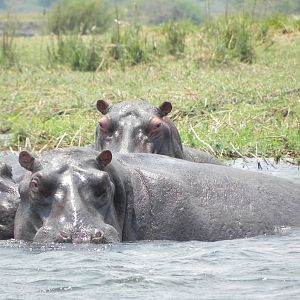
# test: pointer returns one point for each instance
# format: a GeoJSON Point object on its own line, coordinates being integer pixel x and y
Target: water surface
{"type": "Point", "coordinates": [255, 268]}
{"type": "Point", "coordinates": [285, 168]}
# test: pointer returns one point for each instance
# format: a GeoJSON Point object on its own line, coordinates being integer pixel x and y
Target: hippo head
{"type": "Point", "coordinates": [136, 126]}
{"type": "Point", "coordinates": [67, 197]}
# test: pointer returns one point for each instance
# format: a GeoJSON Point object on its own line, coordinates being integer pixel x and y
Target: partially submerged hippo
{"type": "Point", "coordinates": [136, 126]}
{"type": "Point", "coordinates": [11, 173]}
{"type": "Point", "coordinates": [12, 159]}
{"type": "Point", "coordinates": [9, 201]}
{"type": "Point", "coordinates": [79, 195]}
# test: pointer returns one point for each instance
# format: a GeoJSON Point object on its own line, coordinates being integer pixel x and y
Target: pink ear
{"type": "Point", "coordinates": [102, 106]}
{"type": "Point", "coordinates": [165, 108]}
{"type": "Point", "coordinates": [26, 160]}
{"type": "Point", "coordinates": [104, 158]}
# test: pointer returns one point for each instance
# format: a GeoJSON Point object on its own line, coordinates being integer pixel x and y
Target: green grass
{"type": "Point", "coordinates": [236, 108]}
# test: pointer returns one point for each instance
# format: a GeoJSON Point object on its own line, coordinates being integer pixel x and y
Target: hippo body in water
{"type": "Point", "coordinates": [136, 126]}
{"type": "Point", "coordinates": [12, 159]}
{"type": "Point", "coordinates": [79, 195]}
{"type": "Point", "coordinates": [10, 173]}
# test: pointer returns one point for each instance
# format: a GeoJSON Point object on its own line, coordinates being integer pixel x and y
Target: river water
{"type": "Point", "coordinates": [264, 267]}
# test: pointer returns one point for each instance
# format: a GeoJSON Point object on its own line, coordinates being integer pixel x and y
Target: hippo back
{"type": "Point", "coordinates": [182, 200]}
{"type": "Point", "coordinates": [11, 158]}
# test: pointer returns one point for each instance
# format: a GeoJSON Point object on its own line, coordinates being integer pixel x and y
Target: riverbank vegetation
{"type": "Point", "coordinates": [233, 82]}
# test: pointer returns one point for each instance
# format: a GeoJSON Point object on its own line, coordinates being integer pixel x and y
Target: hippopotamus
{"type": "Point", "coordinates": [82, 195]}
{"type": "Point", "coordinates": [10, 174]}
{"type": "Point", "coordinates": [136, 126]}
{"type": "Point", "coordinates": [9, 201]}
{"type": "Point", "coordinates": [12, 159]}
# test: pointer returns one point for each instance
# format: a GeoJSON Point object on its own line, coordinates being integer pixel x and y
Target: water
{"type": "Point", "coordinates": [285, 168]}
{"type": "Point", "coordinates": [264, 267]}
{"type": "Point", "coordinates": [256, 268]}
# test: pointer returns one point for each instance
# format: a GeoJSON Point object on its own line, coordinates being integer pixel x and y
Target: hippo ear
{"type": "Point", "coordinates": [29, 162]}
{"type": "Point", "coordinates": [104, 158]}
{"type": "Point", "coordinates": [165, 108]}
{"type": "Point", "coordinates": [5, 170]}
{"type": "Point", "coordinates": [102, 106]}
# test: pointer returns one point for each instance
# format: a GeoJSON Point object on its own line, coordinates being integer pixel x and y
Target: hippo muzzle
{"type": "Point", "coordinates": [106, 235]}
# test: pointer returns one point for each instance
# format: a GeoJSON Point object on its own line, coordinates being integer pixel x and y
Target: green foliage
{"type": "Point", "coordinates": [192, 11]}
{"type": "Point", "coordinates": [75, 15]}
{"type": "Point", "coordinates": [8, 54]}
{"type": "Point", "coordinates": [136, 46]}
{"type": "Point", "coordinates": [76, 53]}
{"type": "Point", "coordinates": [130, 45]}
{"type": "Point", "coordinates": [261, 32]}
{"type": "Point", "coordinates": [232, 37]}
{"type": "Point", "coordinates": [175, 34]}
{"type": "Point", "coordinates": [296, 24]}
{"type": "Point", "coordinates": [281, 23]}
{"type": "Point", "coordinates": [175, 10]}
{"type": "Point", "coordinates": [277, 21]}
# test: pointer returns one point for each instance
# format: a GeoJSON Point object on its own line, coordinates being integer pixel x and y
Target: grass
{"type": "Point", "coordinates": [235, 108]}
{"type": "Point", "coordinates": [23, 17]}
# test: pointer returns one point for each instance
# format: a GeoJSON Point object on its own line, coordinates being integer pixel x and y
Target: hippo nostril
{"type": "Point", "coordinates": [97, 236]}
{"type": "Point", "coordinates": [64, 237]}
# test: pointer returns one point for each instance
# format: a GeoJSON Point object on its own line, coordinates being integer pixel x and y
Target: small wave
{"type": "Point", "coordinates": [62, 289]}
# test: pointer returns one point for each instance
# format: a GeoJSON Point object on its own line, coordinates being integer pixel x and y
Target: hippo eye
{"type": "Point", "coordinates": [154, 125]}
{"type": "Point", "coordinates": [96, 187]}
{"type": "Point", "coordinates": [43, 185]}
{"type": "Point", "coordinates": [104, 124]}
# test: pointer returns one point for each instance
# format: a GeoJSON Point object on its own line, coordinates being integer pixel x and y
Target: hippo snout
{"type": "Point", "coordinates": [97, 237]}
{"type": "Point", "coordinates": [77, 235]}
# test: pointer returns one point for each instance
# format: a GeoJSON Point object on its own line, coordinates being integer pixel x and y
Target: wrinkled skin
{"type": "Point", "coordinates": [138, 127]}
{"type": "Point", "coordinates": [10, 174]}
{"type": "Point", "coordinates": [79, 195]}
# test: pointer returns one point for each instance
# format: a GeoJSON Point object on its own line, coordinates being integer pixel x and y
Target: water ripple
{"type": "Point", "coordinates": [266, 267]}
